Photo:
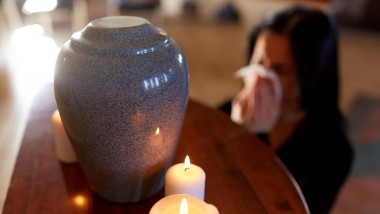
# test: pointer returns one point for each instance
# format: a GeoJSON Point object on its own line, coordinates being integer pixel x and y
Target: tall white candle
{"type": "Point", "coordinates": [64, 150]}
{"type": "Point", "coordinates": [182, 204]}
{"type": "Point", "coordinates": [185, 179]}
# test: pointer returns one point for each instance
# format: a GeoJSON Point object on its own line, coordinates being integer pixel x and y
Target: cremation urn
{"type": "Point", "coordinates": [121, 87]}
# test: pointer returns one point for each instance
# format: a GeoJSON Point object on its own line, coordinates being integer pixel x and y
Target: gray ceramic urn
{"type": "Point", "coordinates": [121, 86]}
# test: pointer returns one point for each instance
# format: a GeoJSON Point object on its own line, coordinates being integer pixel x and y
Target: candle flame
{"type": "Point", "coordinates": [187, 162]}
{"type": "Point", "coordinates": [79, 200]}
{"type": "Point", "coordinates": [184, 209]}
{"type": "Point", "coordinates": [158, 131]}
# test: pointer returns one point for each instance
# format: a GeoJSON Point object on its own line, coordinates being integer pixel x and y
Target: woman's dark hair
{"type": "Point", "coordinates": [314, 43]}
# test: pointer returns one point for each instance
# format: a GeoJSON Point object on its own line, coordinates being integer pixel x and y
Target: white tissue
{"type": "Point", "coordinates": [246, 71]}
{"type": "Point", "coordinates": [236, 115]}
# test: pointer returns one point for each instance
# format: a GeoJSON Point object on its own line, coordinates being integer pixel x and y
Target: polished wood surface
{"type": "Point", "coordinates": [243, 174]}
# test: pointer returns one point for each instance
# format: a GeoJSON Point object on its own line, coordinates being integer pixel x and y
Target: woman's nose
{"type": "Point", "coordinates": [267, 64]}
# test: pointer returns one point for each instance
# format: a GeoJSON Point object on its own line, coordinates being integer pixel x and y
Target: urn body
{"type": "Point", "coordinates": [121, 87]}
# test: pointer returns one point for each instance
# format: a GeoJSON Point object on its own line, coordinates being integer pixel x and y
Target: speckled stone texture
{"type": "Point", "coordinates": [121, 86]}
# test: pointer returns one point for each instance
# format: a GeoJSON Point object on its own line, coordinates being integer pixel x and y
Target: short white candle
{"type": "Point", "coordinates": [175, 204]}
{"type": "Point", "coordinates": [64, 150]}
{"type": "Point", "coordinates": [185, 179]}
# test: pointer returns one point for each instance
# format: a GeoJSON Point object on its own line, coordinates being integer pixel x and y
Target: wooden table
{"type": "Point", "coordinates": [243, 174]}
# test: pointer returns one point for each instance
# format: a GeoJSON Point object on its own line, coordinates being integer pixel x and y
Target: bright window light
{"type": "Point", "coordinates": [33, 55]}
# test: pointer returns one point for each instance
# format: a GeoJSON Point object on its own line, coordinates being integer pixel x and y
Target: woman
{"type": "Point", "coordinates": [305, 127]}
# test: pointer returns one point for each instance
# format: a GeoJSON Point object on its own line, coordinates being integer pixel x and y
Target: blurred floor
{"type": "Point", "coordinates": [360, 101]}
{"type": "Point", "coordinates": [214, 51]}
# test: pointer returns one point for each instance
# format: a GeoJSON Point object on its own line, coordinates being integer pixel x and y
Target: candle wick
{"type": "Point", "coordinates": [187, 168]}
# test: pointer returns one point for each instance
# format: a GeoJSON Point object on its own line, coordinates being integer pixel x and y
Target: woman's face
{"type": "Point", "coordinates": [273, 51]}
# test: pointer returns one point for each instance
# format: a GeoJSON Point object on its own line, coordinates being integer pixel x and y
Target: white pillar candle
{"type": "Point", "coordinates": [175, 204]}
{"type": "Point", "coordinates": [185, 179]}
{"type": "Point", "coordinates": [64, 150]}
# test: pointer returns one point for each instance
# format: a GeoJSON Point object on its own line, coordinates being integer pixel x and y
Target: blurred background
{"type": "Point", "coordinates": [213, 35]}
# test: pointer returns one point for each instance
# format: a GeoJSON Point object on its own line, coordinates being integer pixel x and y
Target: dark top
{"type": "Point", "coordinates": [319, 157]}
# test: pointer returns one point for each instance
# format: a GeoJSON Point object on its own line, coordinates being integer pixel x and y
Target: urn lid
{"type": "Point", "coordinates": [119, 36]}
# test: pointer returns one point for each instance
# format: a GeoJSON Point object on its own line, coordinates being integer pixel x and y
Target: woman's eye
{"type": "Point", "coordinates": [278, 72]}
{"type": "Point", "coordinates": [282, 70]}
{"type": "Point", "coordinates": [278, 69]}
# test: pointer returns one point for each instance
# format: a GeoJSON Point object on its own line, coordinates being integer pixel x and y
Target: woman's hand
{"type": "Point", "coordinates": [256, 107]}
